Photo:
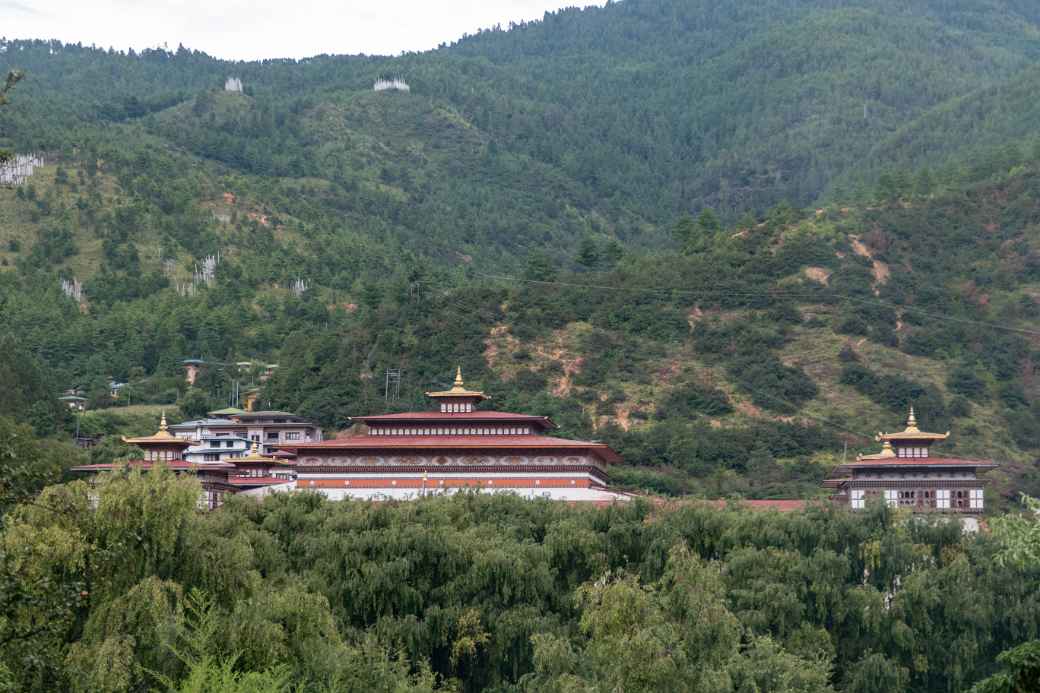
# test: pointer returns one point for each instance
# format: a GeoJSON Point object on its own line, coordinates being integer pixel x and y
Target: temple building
{"type": "Point", "coordinates": [165, 448]}
{"type": "Point", "coordinates": [908, 474]}
{"type": "Point", "coordinates": [255, 473]}
{"type": "Point", "coordinates": [455, 447]}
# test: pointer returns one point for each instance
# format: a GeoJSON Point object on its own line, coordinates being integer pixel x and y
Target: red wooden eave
{"type": "Point", "coordinates": [468, 442]}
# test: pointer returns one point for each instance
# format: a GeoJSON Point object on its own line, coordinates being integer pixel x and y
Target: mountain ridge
{"type": "Point", "coordinates": [342, 231]}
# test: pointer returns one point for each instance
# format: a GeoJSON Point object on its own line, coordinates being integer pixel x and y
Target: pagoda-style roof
{"type": "Point", "coordinates": [887, 452]}
{"type": "Point", "coordinates": [256, 481]}
{"type": "Point", "coordinates": [255, 457]}
{"type": "Point", "coordinates": [162, 438]}
{"type": "Point", "coordinates": [473, 416]}
{"type": "Point", "coordinates": [458, 390]}
{"type": "Point", "coordinates": [913, 433]}
{"type": "Point", "coordinates": [920, 462]}
{"type": "Point", "coordinates": [843, 472]}
{"type": "Point", "coordinates": [519, 444]}
{"type": "Point", "coordinates": [175, 465]}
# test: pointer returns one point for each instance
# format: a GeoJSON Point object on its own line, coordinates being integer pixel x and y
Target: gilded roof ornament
{"type": "Point", "coordinates": [458, 389]}
{"type": "Point", "coordinates": [912, 432]}
{"type": "Point", "coordinates": [911, 422]}
{"type": "Point", "coordinates": [256, 456]}
{"type": "Point", "coordinates": [886, 452]}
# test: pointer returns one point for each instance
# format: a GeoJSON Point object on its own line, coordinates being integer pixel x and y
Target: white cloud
{"type": "Point", "coordinates": [249, 29]}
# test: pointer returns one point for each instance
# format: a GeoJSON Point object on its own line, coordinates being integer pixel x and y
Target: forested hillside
{"type": "Point", "coordinates": [733, 240]}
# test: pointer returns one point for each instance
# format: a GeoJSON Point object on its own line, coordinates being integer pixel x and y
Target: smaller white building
{"type": "Point", "coordinates": [213, 448]}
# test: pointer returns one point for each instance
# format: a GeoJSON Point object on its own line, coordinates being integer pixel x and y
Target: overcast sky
{"type": "Point", "coordinates": [248, 29]}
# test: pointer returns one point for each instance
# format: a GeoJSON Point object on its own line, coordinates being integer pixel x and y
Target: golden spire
{"type": "Point", "coordinates": [458, 389]}
{"type": "Point", "coordinates": [886, 450]}
{"type": "Point", "coordinates": [913, 433]}
{"type": "Point", "coordinates": [160, 437]}
{"type": "Point", "coordinates": [256, 456]}
{"type": "Point", "coordinates": [911, 421]}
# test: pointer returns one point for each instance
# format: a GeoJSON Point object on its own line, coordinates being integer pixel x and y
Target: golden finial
{"type": "Point", "coordinates": [162, 422]}
{"type": "Point", "coordinates": [254, 451]}
{"type": "Point", "coordinates": [458, 376]}
{"type": "Point", "coordinates": [886, 450]}
{"type": "Point", "coordinates": [911, 421]}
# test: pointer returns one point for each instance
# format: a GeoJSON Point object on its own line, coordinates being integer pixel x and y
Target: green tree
{"type": "Point", "coordinates": [195, 403]}
{"type": "Point", "coordinates": [13, 77]}
{"type": "Point", "coordinates": [28, 464]}
{"type": "Point", "coordinates": [540, 267]}
{"type": "Point", "coordinates": [708, 222]}
{"type": "Point", "coordinates": [875, 672]}
{"type": "Point", "coordinates": [1019, 534]}
{"type": "Point", "coordinates": [1020, 671]}
{"type": "Point", "coordinates": [588, 252]}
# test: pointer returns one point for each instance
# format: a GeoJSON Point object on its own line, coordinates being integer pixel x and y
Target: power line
{"type": "Point", "coordinates": [781, 400]}
{"type": "Point", "coordinates": [780, 293]}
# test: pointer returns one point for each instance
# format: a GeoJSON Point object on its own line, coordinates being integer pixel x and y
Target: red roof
{"type": "Point", "coordinates": [441, 416]}
{"type": "Point", "coordinates": [269, 461]}
{"type": "Point", "coordinates": [468, 442]}
{"type": "Point", "coordinates": [175, 465]}
{"type": "Point", "coordinates": [920, 462]}
{"type": "Point", "coordinates": [256, 481]}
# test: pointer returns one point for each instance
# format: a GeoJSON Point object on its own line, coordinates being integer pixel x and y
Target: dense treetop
{"type": "Point", "coordinates": [137, 590]}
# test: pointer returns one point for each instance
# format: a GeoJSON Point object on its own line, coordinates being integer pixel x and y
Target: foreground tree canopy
{"type": "Point", "coordinates": [126, 586]}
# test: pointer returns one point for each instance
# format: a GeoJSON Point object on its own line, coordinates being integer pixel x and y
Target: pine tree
{"type": "Point", "coordinates": [588, 253]}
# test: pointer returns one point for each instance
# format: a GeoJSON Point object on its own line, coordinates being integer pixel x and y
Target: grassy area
{"type": "Point", "coordinates": [55, 206]}
{"type": "Point", "coordinates": [137, 419]}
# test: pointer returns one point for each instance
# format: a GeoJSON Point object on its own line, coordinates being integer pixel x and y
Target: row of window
{"type": "Point", "coordinates": [230, 444]}
{"type": "Point", "coordinates": [451, 431]}
{"type": "Point", "coordinates": [287, 435]}
{"type": "Point", "coordinates": [941, 499]}
{"type": "Point", "coordinates": [456, 407]}
{"type": "Point", "coordinates": [161, 455]}
{"type": "Point", "coordinates": [912, 451]}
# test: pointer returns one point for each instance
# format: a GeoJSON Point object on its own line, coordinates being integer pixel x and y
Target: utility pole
{"type": "Point", "coordinates": [392, 385]}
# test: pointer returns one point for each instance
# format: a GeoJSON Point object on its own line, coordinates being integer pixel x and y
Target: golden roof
{"type": "Point", "coordinates": [886, 452]}
{"type": "Point", "coordinates": [459, 389]}
{"type": "Point", "coordinates": [912, 432]}
{"type": "Point", "coordinates": [255, 456]}
{"type": "Point", "coordinates": [162, 437]}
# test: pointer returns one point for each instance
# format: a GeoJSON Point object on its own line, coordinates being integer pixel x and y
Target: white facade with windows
{"type": "Point", "coordinates": [909, 474]}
